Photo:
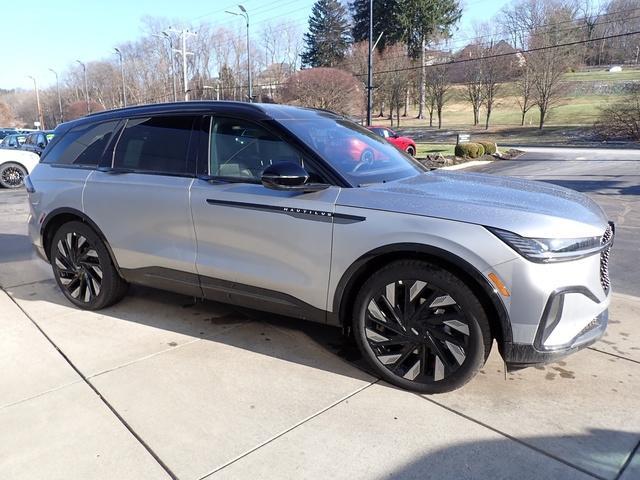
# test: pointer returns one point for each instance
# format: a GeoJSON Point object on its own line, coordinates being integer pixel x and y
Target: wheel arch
{"type": "Point", "coordinates": [58, 217]}
{"type": "Point", "coordinates": [347, 288]}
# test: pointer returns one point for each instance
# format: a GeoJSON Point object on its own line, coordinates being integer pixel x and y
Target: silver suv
{"type": "Point", "coordinates": [303, 213]}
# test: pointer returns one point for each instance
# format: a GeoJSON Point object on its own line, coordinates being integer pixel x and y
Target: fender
{"type": "Point", "coordinates": [67, 211]}
{"type": "Point", "coordinates": [374, 259]}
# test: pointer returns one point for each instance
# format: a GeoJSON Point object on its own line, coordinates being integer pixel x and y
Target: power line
{"type": "Point", "coordinates": [505, 54]}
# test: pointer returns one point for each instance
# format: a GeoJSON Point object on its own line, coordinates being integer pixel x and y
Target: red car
{"type": "Point", "coordinates": [403, 143]}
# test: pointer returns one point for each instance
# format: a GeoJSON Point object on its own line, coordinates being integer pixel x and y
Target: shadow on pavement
{"type": "Point", "coordinates": [508, 463]}
{"type": "Point", "coordinates": [14, 248]}
{"type": "Point", "coordinates": [203, 319]}
{"type": "Point", "coordinates": [601, 187]}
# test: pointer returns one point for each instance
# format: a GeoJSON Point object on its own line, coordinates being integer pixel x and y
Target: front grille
{"type": "Point", "coordinates": [604, 259]}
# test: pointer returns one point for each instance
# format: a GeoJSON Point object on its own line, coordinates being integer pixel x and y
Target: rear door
{"type": "Point", "coordinates": [139, 198]}
{"type": "Point", "coordinates": [258, 247]}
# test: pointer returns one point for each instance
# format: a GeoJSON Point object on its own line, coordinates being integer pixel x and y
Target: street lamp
{"type": "Point", "coordinates": [166, 36]}
{"type": "Point", "coordinates": [124, 92]}
{"type": "Point", "coordinates": [86, 87]}
{"type": "Point", "coordinates": [35, 87]}
{"type": "Point", "coordinates": [59, 97]}
{"type": "Point", "coordinates": [245, 14]}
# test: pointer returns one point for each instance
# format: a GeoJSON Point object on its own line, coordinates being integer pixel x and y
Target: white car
{"type": "Point", "coordinates": [15, 165]}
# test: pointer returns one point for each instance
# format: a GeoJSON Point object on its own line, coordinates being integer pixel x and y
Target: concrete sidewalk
{"type": "Point", "coordinates": [210, 393]}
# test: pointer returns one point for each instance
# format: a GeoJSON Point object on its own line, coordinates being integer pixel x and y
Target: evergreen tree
{"type": "Point", "coordinates": [423, 21]}
{"type": "Point", "coordinates": [386, 20]}
{"type": "Point", "coordinates": [329, 37]}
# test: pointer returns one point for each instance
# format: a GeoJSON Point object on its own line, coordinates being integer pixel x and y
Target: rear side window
{"type": "Point", "coordinates": [156, 145]}
{"type": "Point", "coordinates": [82, 145]}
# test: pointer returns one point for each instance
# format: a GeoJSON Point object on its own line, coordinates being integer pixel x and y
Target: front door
{"type": "Point", "coordinates": [258, 247]}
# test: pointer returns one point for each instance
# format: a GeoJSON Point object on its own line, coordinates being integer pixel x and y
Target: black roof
{"type": "Point", "coordinates": [257, 111]}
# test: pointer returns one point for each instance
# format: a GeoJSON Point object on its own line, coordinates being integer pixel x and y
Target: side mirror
{"type": "Point", "coordinates": [289, 176]}
{"type": "Point", "coordinates": [395, 135]}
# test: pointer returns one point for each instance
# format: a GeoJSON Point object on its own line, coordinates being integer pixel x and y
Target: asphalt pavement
{"type": "Point", "coordinates": [158, 386]}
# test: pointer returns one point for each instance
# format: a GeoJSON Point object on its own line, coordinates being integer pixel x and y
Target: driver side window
{"type": "Point", "coordinates": [241, 149]}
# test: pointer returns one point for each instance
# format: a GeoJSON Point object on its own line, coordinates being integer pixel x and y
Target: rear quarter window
{"type": "Point", "coordinates": [82, 145]}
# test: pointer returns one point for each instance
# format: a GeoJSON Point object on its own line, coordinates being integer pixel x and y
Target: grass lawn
{"type": "Point", "coordinates": [628, 73]}
{"type": "Point", "coordinates": [425, 149]}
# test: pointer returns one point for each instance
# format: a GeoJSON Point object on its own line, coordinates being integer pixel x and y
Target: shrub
{"type": "Point", "coordinates": [489, 147]}
{"type": "Point", "coordinates": [470, 150]}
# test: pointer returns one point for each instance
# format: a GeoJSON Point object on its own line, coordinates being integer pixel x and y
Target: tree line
{"type": "Point", "coordinates": [421, 58]}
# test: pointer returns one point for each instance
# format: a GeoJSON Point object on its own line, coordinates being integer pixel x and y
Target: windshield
{"type": "Point", "coordinates": [359, 155]}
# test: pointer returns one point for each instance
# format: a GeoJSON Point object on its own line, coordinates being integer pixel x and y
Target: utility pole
{"type": "Point", "coordinates": [169, 38]}
{"type": "Point", "coordinates": [184, 53]}
{"type": "Point", "coordinates": [124, 92]}
{"type": "Point", "coordinates": [59, 97]}
{"type": "Point", "coordinates": [39, 110]}
{"type": "Point", "coordinates": [245, 14]}
{"type": "Point", "coordinates": [86, 87]}
{"type": "Point", "coordinates": [370, 65]}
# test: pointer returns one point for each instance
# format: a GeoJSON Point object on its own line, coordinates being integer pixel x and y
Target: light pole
{"type": "Point", "coordinates": [59, 97]}
{"type": "Point", "coordinates": [370, 65]}
{"type": "Point", "coordinates": [35, 87]}
{"type": "Point", "coordinates": [183, 51]}
{"type": "Point", "coordinates": [166, 36]}
{"type": "Point", "coordinates": [124, 92]}
{"type": "Point", "coordinates": [245, 14]}
{"type": "Point", "coordinates": [86, 87]}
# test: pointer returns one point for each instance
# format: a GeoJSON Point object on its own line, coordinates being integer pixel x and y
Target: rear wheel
{"type": "Point", "coordinates": [420, 327]}
{"type": "Point", "coordinates": [12, 175]}
{"type": "Point", "coordinates": [83, 268]}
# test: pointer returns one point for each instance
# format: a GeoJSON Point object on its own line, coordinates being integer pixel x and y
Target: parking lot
{"type": "Point", "coordinates": [159, 386]}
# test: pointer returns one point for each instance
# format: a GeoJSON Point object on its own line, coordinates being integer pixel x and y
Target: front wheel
{"type": "Point", "coordinates": [411, 150]}
{"type": "Point", "coordinates": [12, 175]}
{"type": "Point", "coordinates": [420, 327]}
{"type": "Point", "coordinates": [83, 268]}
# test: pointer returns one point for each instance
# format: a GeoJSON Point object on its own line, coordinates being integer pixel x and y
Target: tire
{"type": "Point", "coordinates": [12, 175]}
{"type": "Point", "coordinates": [411, 150]}
{"type": "Point", "coordinates": [420, 327]}
{"type": "Point", "coordinates": [83, 268]}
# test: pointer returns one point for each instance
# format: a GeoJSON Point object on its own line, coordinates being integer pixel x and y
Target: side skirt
{"type": "Point", "coordinates": [224, 291]}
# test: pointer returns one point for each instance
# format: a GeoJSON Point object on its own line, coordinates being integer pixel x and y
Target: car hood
{"type": "Point", "coordinates": [528, 208]}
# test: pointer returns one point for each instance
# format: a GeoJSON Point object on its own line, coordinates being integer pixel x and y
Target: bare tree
{"type": "Point", "coordinates": [327, 88]}
{"type": "Point", "coordinates": [438, 85]}
{"type": "Point", "coordinates": [524, 88]}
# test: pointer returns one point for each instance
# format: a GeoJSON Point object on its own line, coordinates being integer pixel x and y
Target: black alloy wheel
{"type": "Point", "coordinates": [421, 328]}
{"type": "Point", "coordinates": [83, 268]}
{"type": "Point", "coordinates": [12, 175]}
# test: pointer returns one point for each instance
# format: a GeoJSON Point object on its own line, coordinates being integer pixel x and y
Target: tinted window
{"type": "Point", "coordinates": [82, 145]}
{"type": "Point", "coordinates": [155, 144]}
{"type": "Point", "coordinates": [242, 149]}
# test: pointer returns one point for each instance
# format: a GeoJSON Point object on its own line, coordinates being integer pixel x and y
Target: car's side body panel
{"type": "Point", "coordinates": [265, 238]}
{"type": "Point", "coordinates": [147, 218]}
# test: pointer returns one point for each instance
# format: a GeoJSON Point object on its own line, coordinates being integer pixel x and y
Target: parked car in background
{"type": "Point", "coordinates": [255, 205]}
{"type": "Point", "coordinates": [4, 132]}
{"type": "Point", "coordinates": [15, 140]}
{"type": "Point", "coordinates": [15, 165]}
{"type": "Point", "coordinates": [37, 141]}
{"type": "Point", "coordinates": [403, 143]}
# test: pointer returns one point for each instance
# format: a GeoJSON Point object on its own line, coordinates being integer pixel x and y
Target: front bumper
{"type": "Point", "coordinates": [519, 355]}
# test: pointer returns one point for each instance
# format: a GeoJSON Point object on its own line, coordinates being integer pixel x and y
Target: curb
{"type": "Point", "coordinates": [473, 163]}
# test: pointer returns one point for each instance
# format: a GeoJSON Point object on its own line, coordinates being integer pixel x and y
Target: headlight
{"type": "Point", "coordinates": [545, 250]}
